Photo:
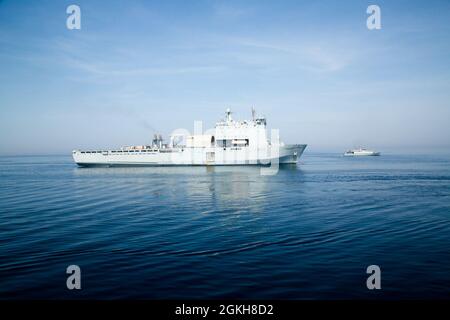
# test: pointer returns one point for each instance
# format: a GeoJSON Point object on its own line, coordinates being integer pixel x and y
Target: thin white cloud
{"type": "Point", "coordinates": [312, 56]}
{"type": "Point", "coordinates": [101, 69]}
{"type": "Point", "coordinates": [226, 10]}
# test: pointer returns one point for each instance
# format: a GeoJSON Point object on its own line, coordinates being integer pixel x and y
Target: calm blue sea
{"type": "Point", "coordinates": [308, 232]}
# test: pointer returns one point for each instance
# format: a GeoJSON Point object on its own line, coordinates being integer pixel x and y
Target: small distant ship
{"type": "Point", "coordinates": [361, 152]}
{"type": "Point", "coordinates": [231, 143]}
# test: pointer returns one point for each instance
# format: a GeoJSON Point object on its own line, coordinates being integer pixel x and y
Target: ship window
{"type": "Point", "coordinates": [224, 143]}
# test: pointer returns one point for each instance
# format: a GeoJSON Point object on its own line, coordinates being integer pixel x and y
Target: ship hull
{"type": "Point", "coordinates": [214, 156]}
{"type": "Point", "coordinates": [361, 154]}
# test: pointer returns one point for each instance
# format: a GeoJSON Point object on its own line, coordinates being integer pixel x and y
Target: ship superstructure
{"type": "Point", "coordinates": [231, 143]}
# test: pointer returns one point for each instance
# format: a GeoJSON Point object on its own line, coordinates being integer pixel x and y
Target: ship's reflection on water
{"type": "Point", "coordinates": [227, 186]}
{"type": "Point", "coordinates": [226, 197]}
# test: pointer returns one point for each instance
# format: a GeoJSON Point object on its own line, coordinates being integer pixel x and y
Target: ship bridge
{"type": "Point", "coordinates": [232, 133]}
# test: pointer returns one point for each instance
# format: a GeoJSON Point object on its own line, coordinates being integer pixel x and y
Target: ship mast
{"type": "Point", "coordinates": [228, 113]}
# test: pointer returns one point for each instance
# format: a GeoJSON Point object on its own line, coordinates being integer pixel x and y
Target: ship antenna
{"type": "Point", "coordinates": [228, 112]}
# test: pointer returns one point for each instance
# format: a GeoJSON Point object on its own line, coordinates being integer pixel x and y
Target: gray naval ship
{"type": "Point", "coordinates": [231, 142]}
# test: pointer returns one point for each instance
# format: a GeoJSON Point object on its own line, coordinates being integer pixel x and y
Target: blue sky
{"type": "Point", "coordinates": [136, 67]}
